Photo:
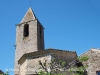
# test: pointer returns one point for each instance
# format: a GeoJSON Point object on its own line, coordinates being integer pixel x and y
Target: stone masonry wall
{"type": "Point", "coordinates": [25, 44]}
{"type": "Point", "coordinates": [40, 36]}
{"type": "Point", "coordinates": [30, 43]}
{"type": "Point", "coordinates": [31, 65]}
{"type": "Point", "coordinates": [93, 61]}
{"type": "Point", "coordinates": [67, 56]}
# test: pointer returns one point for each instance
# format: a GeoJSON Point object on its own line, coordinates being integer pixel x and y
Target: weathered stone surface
{"type": "Point", "coordinates": [30, 64]}
{"type": "Point", "coordinates": [28, 16]}
{"type": "Point", "coordinates": [30, 49]}
{"type": "Point", "coordinates": [31, 43]}
{"type": "Point", "coordinates": [93, 61]}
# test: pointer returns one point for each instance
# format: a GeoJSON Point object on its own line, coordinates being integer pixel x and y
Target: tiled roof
{"type": "Point", "coordinates": [92, 49]}
{"type": "Point", "coordinates": [60, 50]}
{"type": "Point", "coordinates": [47, 51]}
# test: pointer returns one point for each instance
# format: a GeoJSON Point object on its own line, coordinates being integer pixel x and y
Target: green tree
{"type": "Point", "coordinates": [56, 65]}
{"type": "Point", "coordinates": [81, 69]}
{"type": "Point", "coordinates": [6, 73]}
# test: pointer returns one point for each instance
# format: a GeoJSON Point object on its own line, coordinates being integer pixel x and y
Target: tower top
{"type": "Point", "coordinates": [28, 16]}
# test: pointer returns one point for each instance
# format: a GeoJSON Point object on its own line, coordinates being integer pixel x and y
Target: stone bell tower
{"type": "Point", "coordinates": [29, 37]}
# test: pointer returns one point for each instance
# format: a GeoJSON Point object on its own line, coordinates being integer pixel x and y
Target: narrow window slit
{"type": "Point", "coordinates": [26, 30]}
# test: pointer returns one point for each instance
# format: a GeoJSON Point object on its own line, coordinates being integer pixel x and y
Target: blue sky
{"type": "Point", "coordinates": [69, 25]}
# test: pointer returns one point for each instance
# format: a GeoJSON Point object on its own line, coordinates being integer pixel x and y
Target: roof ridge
{"type": "Point", "coordinates": [91, 49]}
{"type": "Point", "coordinates": [60, 50]}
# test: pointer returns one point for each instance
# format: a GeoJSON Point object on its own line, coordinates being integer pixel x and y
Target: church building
{"type": "Point", "coordinates": [30, 47]}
